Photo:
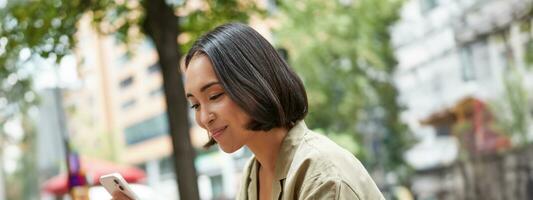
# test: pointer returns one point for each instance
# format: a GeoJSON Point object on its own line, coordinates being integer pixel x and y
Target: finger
{"type": "Point", "coordinates": [117, 195]}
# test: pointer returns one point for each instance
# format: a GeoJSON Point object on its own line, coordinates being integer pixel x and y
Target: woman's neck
{"type": "Point", "coordinates": [266, 145]}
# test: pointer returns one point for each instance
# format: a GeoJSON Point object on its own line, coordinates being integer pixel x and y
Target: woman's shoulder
{"type": "Point", "coordinates": [320, 160]}
{"type": "Point", "coordinates": [324, 152]}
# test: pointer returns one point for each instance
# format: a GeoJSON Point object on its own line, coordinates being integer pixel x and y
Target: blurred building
{"type": "Point", "coordinates": [50, 145]}
{"type": "Point", "coordinates": [452, 55]}
{"type": "Point", "coordinates": [118, 110]}
{"type": "Point", "coordinates": [117, 107]}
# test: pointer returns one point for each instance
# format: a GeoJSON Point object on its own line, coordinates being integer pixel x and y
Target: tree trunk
{"type": "Point", "coordinates": [162, 26]}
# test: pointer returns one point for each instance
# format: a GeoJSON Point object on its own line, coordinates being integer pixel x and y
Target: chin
{"type": "Point", "coordinates": [228, 149]}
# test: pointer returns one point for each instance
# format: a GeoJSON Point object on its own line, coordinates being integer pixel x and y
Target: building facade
{"type": "Point", "coordinates": [450, 52]}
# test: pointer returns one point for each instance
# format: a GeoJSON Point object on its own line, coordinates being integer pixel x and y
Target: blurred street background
{"type": "Point", "coordinates": [435, 97]}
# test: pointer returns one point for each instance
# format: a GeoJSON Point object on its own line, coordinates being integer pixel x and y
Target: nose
{"type": "Point", "coordinates": [207, 118]}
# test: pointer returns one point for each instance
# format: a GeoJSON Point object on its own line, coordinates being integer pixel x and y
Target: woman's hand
{"type": "Point", "coordinates": [117, 195]}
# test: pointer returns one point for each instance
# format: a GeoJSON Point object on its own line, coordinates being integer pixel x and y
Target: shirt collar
{"type": "Point", "coordinates": [283, 161]}
{"type": "Point", "coordinates": [252, 180]}
{"type": "Point", "coordinates": [288, 149]}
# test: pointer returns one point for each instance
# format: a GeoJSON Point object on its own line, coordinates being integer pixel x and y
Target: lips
{"type": "Point", "coordinates": [216, 133]}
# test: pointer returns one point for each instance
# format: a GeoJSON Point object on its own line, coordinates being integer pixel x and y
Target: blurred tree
{"type": "Point", "coordinates": [27, 167]}
{"type": "Point", "coordinates": [47, 28]}
{"type": "Point", "coordinates": [343, 51]}
{"type": "Point", "coordinates": [513, 109]}
{"type": "Point", "coordinates": [525, 28]}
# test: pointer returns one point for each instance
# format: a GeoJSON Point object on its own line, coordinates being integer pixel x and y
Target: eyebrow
{"type": "Point", "coordinates": [205, 87]}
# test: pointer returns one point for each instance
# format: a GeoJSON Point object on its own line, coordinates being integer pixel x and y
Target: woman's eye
{"type": "Point", "coordinates": [195, 106]}
{"type": "Point", "coordinates": [215, 96]}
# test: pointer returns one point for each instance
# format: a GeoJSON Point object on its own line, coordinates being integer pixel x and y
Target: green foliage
{"type": "Point", "coordinates": [463, 130]}
{"type": "Point", "coordinates": [197, 22]}
{"type": "Point", "coordinates": [342, 50]}
{"type": "Point", "coordinates": [30, 29]}
{"type": "Point", "coordinates": [525, 28]}
{"type": "Point", "coordinates": [513, 109]}
{"type": "Point", "coordinates": [47, 28]}
{"type": "Point", "coordinates": [345, 140]}
{"type": "Point", "coordinates": [529, 54]}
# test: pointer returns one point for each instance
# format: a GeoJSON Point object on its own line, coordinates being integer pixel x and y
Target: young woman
{"type": "Point", "coordinates": [244, 94]}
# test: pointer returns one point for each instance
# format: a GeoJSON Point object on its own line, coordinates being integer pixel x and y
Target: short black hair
{"type": "Point", "coordinates": [255, 76]}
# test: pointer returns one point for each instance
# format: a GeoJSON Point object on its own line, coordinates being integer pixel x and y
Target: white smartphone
{"type": "Point", "coordinates": [115, 181]}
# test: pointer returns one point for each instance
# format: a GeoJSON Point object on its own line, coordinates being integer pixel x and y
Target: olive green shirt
{"type": "Point", "coordinates": [310, 166]}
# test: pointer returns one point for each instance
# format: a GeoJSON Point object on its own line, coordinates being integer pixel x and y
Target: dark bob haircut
{"type": "Point", "coordinates": [254, 75]}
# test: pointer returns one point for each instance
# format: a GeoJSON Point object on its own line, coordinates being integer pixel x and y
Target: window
{"type": "Point", "coordinates": [147, 129]}
{"type": "Point", "coordinates": [481, 60]}
{"type": "Point", "coordinates": [436, 84]}
{"type": "Point", "coordinates": [467, 67]}
{"type": "Point", "coordinates": [166, 165]}
{"type": "Point", "coordinates": [217, 186]}
{"type": "Point", "coordinates": [156, 92]}
{"type": "Point", "coordinates": [443, 130]}
{"type": "Point", "coordinates": [128, 104]}
{"type": "Point", "coordinates": [126, 82]}
{"type": "Point", "coordinates": [142, 166]}
{"type": "Point", "coordinates": [153, 68]}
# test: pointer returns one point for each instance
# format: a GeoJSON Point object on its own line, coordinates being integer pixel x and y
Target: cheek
{"type": "Point", "coordinates": [230, 112]}
{"type": "Point", "coordinates": [224, 109]}
{"type": "Point", "coordinates": [239, 115]}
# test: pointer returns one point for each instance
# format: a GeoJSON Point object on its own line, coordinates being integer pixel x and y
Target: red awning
{"type": "Point", "coordinates": [94, 168]}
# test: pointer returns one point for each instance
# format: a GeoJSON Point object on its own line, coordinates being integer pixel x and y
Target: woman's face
{"type": "Point", "coordinates": [214, 110]}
